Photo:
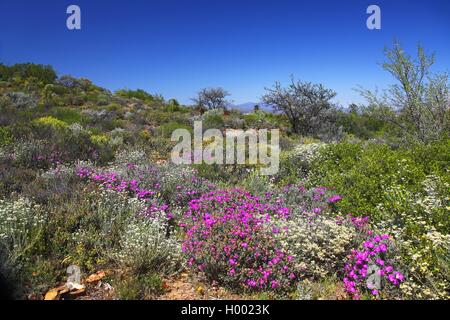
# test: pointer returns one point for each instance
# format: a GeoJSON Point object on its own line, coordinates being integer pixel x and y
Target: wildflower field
{"type": "Point", "coordinates": [86, 180]}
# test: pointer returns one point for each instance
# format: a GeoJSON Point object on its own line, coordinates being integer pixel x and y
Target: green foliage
{"type": "Point", "coordinates": [47, 126]}
{"type": "Point", "coordinates": [417, 105]}
{"type": "Point", "coordinates": [69, 115]}
{"type": "Point", "coordinates": [99, 140]}
{"type": "Point", "coordinates": [21, 228]}
{"type": "Point", "coordinates": [360, 123]}
{"type": "Point", "coordinates": [21, 100]}
{"type": "Point", "coordinates": [329, 288]}
{"type": "Point", "coordinates": [214, 121]}
{"type": "Point", "coordinates": [144, 247]}
{"type": "Point", "coordinates": [21, 224]}
{"type": "Point", "coordinates": [227, 174]}
{"type": "Point", "coordinates": [142, 287]}
{"type": "Point", "coordinates": [166, 129]}
{"type": "Point", "coordinates": [42, 73]}
{"type": "Point", "coordinates": [138, 94]}
{"type": "Point", "coordinates": [361, 172]}
{"type": "Point", "coordinates": [256, 184]}
{"type": "Point", "coordinates": [6, 137]}
{"type": "Point", "coordinates": [295, 164]}
{"type": "Point", "coordinates": [419, 221]}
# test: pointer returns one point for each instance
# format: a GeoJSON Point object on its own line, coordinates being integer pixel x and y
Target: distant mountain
{"type": "Point", "coordinates": [249, 107]}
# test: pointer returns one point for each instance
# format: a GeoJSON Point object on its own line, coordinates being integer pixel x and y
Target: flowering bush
{"type": "Point", "coordinates": [179, 185]}
{"type": "Point", "coordinates": [371, 269]}
{"type": "Point", "coordinates": [20, 224]}
{"type": "Point", "coordinates": [319, 244]}
{"type": "Point", "coordinates": [301, 200]}
{"type": "Point", "coordinates": [144, 246]}
{"type": "Point", "coordinates": [139, 212]}
{"type": "Point", "coordinates": [108, 211]}
{"type": "Point", "coordinates": [20, 100]}
{"type": "Point", "coordinates": [54, 184]}
{"type": "Point", "coordinates": [229, 237]}
{"type": "Point", "coordinates": [51, 122]}
{"type": "Point", "coordinates": [157, 185]}
{"type": "Point", "coordinates": [111, 181]}
{"type": "Point", "coordinates": [419, 221]}
{"type": "Point", "coordinates": [295, 164]}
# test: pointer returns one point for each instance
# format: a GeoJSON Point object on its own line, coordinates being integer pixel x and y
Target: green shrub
{"type": "Point", "coordinates": [43, 73]}
{"type": "Point", "coordinates": [166, 129]}
{"type": "Point", "coordinates": [6, 137]}
{"type": "Point", "coordinates": [145, 247]}
{"type": "Point", "coordinates": [405, 193]}
{"type": "Point", "coordinates": [99, 140]}
{"type": "Point", "coordinates": [69, 115]}
{"type": "Point", "coordinates": [21, 228]}
{"type": "Point", "coordinates": [20, 100]}
{"type": "Point", "coordinates": [21, 222]}
{"type": "Point", "coordinates": [143, 287]}
{"type": "Point", "coordinates": [361, 172]}
{"type": "Point", "coordinates": [136, 94]}
{"type": "Point", "coordinates": [419, 221]}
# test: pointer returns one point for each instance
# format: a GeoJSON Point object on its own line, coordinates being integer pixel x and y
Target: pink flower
{"type": "Point", "coordinates": [400, 276]}
{"type": "Point", "coordinates": [380, 262]}
{"type": "Point", "coordinates": [274, 284]}
{"type": "Point", "coordinates": [334, 199]}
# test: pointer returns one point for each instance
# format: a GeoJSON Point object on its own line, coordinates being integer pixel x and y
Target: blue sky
{"type": "Point", "coordinates": [176, 47]}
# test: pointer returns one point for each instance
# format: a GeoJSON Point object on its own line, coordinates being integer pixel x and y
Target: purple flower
{"type": "Point", "coordinates": [334, 199]}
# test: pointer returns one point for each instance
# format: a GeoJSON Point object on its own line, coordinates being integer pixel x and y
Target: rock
{"type": "Point", "coordinates": [77, 293]}
{"type": "Point", "coordinates": [74, 286]}
{"type": "Point", "coordinates": [51, 295]}
{"type": "Point", "coordinates": [95, 277]}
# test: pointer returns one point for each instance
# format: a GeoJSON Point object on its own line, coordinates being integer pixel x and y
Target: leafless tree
{"type": "Point", "coordinates": [212, 98]}
{"type": "Point", "coordinates": [418, 105]}
{"type": "Point", "coordinates": [305, 104]}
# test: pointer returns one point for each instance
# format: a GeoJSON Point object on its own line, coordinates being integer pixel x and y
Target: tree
{"type": "Point", "coordinates": [43, 73]}
{"type": "Point", "coordinates": [359, 121]}
{"type": "Point", "coordinates": [212, 98]}
{"type": "Point", "coordinates": [418, 104]}
{"type": "Point", "coordinates": [306, 105]}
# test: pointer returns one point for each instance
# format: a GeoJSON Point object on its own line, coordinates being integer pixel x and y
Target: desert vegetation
{"type": "Point", "coordinates": [358, 210]}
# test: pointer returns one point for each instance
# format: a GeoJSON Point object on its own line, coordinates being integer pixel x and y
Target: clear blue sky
{"type": "Point", "coordinates": [175, 47]}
